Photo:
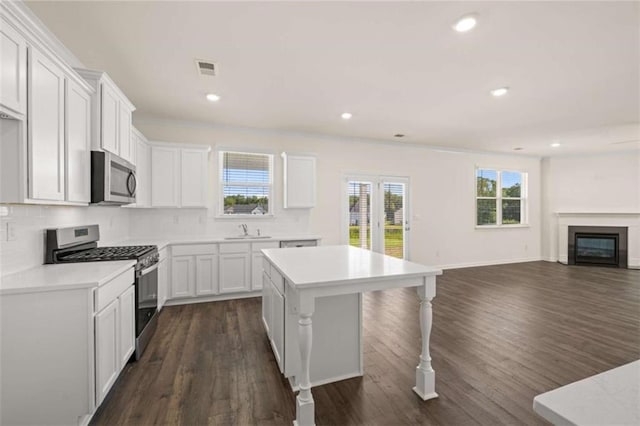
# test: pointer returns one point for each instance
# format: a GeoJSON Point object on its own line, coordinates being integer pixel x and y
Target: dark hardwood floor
{"type": "Point", "coordinates": [501, 335]}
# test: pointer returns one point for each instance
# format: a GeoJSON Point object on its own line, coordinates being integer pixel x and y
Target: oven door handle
{"type": "Point", "coordinates": [147, 270]}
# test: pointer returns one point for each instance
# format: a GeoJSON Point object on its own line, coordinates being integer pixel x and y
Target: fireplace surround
{"type": "Point", "coordinates": [598, 246]}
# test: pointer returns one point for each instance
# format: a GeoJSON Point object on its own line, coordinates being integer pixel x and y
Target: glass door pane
{"type": "Point", "coordinates": [395, 220]}
{"type": "Point", "coordinates": [360, 214]}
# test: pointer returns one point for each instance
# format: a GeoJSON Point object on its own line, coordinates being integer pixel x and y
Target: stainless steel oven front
{"type": "Point", "coordinates": [146, 306]}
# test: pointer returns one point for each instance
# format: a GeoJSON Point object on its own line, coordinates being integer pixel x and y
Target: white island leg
{"type": "Point", "coordinates": [425, 376]}
{"type": "Point", "coordinates": [305, 406]}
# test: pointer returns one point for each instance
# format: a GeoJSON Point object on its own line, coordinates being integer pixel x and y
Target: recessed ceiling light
{"type": "Point", "coordinates": [346, 115]}
{"type": "Point", "coordinates": [555, 144]}
{"type": "Point", "coordinates": [212, 97]}
{"type": "Point", "coordinates": [501, 91]}
{"type": "Point", "coordinates": [466, 23]}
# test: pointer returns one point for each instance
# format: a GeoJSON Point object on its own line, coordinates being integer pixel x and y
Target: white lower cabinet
{"type": "Point", "coordinates": [127, 324]}
{"type": "Point", "coordinates": [163, 279]}
{"type": "Point", "coordinates": [206, 275]}
{"type": "Point", "coordinates": [107, 353]}
{"type": "Point", "coordinates": [277, 325]}
{"type": "Point", "coordinates": [60, 361]}
{"type": "Point", "coordinates": [235, 261]}
{"type": "Point", "coordinates": [194, 270]}
{"type": "Point", "coordinates": [114, 331]}
{"type": "Point", "coordinates": [182, 276]}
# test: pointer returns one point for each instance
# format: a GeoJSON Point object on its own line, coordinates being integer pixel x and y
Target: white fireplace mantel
{"type": "Point", "coordinates": [627, 218]}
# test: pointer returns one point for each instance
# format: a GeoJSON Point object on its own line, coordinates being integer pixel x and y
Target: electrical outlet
{"type": "Point", "coordinates": [4, 210]}
{"type": "Point", "coordinates": [11, 231]}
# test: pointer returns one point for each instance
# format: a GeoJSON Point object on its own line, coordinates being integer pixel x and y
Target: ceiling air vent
{"type": "Point", "coordinates": [207, 67]}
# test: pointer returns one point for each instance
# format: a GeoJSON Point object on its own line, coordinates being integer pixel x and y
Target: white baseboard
{"type": "Point", "coordinates": [490, 263]}
{"type": "Point", "coordinates": [217, 298]}
{"type": "Point", "coordinates": [549, 259]}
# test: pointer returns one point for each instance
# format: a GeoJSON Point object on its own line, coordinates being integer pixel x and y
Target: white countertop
{"type": "Point", "coordinates": [64, 276]}
{"type": "Point", "coordinates": [609, 398]}
{"type": "Point", "coordinates": [315, 266]}
{"type": "Point", "coordinates": [211, 239]}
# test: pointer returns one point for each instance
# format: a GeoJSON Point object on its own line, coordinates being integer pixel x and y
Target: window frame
{"type": "Point", "coordinates": [221, 184]}
{"type": "Point", "coordinates": [524, 204]}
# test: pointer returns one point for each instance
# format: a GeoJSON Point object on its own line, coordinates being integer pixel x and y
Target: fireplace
{"type": "Point", "coordinates": [598, 246]}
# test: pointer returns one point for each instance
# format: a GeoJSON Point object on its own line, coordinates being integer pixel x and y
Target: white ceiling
{"type": "Point", "coordinates": [573, 67]}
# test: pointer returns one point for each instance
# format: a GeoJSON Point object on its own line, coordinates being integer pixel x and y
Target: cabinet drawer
{"type": "Point", "coordinates": [194, 249]}
{"type": "Point", "coordinates": [235, 248]}
{"type": "Point", "coordinates": [277, 280]}
{"type": "Point", "coordinates": [256, 247]}
{"type": "Point", "coordinates": [110, 291]}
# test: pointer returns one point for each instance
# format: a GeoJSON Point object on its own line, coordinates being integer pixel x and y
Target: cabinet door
{"type": "Point", "coordinates": [46, 129]}
{"type": "Point", "coordinates": [256, 271]}
{"type": "Point", "coordinates": [107, 349]}
{"type": "Point", "coordinates": [124, 132]}
{"type": "Point", "coordinates": [266, 304]}
{"type": "Point", "coordinates": [127, 325]}
{"type": "Point", "coordinates": [13, 74]}
{"type": "Point", "coordinates": [195, 178]}
{"type": "Point", "coordinates": [206, 274]}
{"type": "Point", "coordinates": [299, 181]}
{"type": "Point", "coordinates": [277, 325]}
{"type": "Point", "coordinates": [163, 283]}
{"type": "Point", "coordinates": [143, 173]}
{"type": "Point", "coordinates": [78, 139]}
{"type": "Point", "coordinates": [234, 272]}
{"type": "Point", "coordinates": [182, 276]}
{"type": "Point", "coordinates": [165, 167]}
{"type": "Point", "coordinates": [109, 119]}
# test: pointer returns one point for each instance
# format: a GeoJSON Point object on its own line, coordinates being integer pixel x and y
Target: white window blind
{"type": "Point", "coordinates": [246, 183]}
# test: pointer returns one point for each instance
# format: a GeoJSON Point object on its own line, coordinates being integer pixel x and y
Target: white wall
{"type": "Point", "coordinates": [600, 183]}
{"type": "Point", "coordinates": [442, 193]}
{"type": "Point", "coordinates": [30, 221]}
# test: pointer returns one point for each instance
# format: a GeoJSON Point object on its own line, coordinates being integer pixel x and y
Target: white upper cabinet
{"type": "Point", "coordinates": [45, 151]}
{"type": "Point", "coordinates": [165, 172]}
{"type": "Point", "coordinates": [124, 129]}
{"type": "Point", "coordinates": [78, 143]}
{"type": "Point", "coordinates": [143, 168]}
{"type": "Point", "coordinates": [179, 175]}
{"type": "Point", "coordinates": [299, 176]}
{"type": "Point", "coordinates": [111, 115]}
{"type": "Point", "coordinates": [13, 71]}
{"type": "Point", "coordinates": [194, 177]}
{"type": "Point", "coordinates": [109, 119]}
{"type": "Point", "coordinates": [46, 129]}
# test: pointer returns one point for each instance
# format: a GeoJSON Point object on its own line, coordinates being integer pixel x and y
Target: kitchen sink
{"type": "Point", "coordinates": [248, 237]}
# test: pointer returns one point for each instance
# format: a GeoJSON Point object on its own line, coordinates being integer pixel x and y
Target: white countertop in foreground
{"type": "Point", "coordinates": [314, 266]}
{"type": "Point", "coordinates": [609, 398]}
{"type": "Point", "coordinates": [64, 276]}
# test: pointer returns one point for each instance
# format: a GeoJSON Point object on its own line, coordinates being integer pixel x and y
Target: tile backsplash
{"type": "Point", "coordinates": [23, 246]}
{"type": "Point", "coordinates": [27, 223]}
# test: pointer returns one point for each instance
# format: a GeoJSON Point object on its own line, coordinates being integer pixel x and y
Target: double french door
{"type": "Point", "coordinates": [377, 214]}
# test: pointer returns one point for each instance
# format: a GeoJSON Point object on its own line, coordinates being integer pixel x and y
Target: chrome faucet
{"type": "Point", "coordinates": [244, 229]}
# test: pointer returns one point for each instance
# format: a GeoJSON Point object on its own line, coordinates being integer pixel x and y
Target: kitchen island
{"type": "Point", "coordinates": [304, 278]}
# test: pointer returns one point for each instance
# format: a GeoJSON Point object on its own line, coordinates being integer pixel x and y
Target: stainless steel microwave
{"type": "Point", "coordinates": [113, 179]}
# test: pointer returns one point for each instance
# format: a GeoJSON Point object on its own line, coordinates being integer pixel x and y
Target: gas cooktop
{"type": "Point", "coordinates": [106, 253]}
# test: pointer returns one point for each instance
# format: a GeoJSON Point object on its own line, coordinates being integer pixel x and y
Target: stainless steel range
{"type": "Point", "coordinates": [80, 244]}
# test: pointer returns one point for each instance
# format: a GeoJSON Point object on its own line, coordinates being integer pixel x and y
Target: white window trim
{"type": "Point", "coordinates": [220, 210]}
{"type": "Point", "coordinates": [524, 199]}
